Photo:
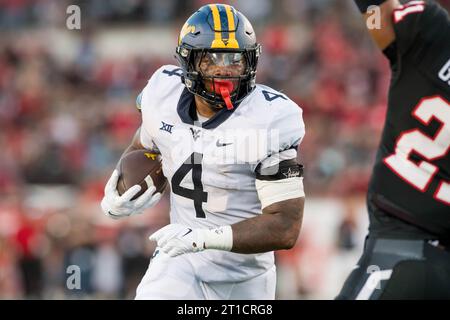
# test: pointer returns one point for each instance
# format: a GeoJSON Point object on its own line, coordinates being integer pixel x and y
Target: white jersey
{"type": "Point", "coordinates": [211, 165]}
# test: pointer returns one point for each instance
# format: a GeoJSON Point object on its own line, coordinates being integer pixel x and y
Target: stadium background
{"type": "Point", "coordinates": [67, 112]}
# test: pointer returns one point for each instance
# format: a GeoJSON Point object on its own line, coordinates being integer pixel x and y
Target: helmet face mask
{"type": "Point", "coordinates": [221, 74]}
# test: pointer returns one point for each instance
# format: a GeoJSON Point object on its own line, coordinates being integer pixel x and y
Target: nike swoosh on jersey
{"type": "Point", "coordinates": [219, 144]}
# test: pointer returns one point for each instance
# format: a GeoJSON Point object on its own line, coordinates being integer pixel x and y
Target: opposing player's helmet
{"type": "Point", "coordinates": [218, 35]}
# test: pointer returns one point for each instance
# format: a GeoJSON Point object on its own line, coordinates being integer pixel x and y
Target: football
{"type": "Point", "coordinates": [136, 168]}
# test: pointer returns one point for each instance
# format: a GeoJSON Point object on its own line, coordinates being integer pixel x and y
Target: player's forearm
{"type": "Point", "coordinates": [277, 228]}
{"type": "Point", "coordinates": [129, 149]}
{"type": "Point", "coordinates": [134, 145]}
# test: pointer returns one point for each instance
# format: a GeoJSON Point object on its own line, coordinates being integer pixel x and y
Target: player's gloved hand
{"type": "Point", "coordinates": [175, 239]}
{"type": "Point", "coordinates": [117, 206]}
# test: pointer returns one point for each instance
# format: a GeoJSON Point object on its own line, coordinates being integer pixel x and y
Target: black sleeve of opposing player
{"type": "Point", "coordinates": [417, 24]}
{"type": "Point", "coordinates": [284, 170]}
{"type": "Point", "coordinates": [391, 52]}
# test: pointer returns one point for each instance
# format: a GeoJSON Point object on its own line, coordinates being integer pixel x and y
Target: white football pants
{"type": "Point", "coordinates": [175, 279]}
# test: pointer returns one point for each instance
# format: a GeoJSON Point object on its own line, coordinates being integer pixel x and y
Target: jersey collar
{"type": "Point", "coordinates": [186, 111]}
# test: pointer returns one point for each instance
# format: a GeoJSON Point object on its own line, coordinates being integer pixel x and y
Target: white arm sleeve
{"type": "Point", "coordinates": [270, 192]}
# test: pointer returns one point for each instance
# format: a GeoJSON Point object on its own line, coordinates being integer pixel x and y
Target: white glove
{"type": "Point", "coordinates": [175, 239]}
{"type": "Point", "coordinates": [116, 206]}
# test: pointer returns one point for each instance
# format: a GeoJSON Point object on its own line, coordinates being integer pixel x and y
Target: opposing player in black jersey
{"type": "Point", "coordinates": [407, 251]}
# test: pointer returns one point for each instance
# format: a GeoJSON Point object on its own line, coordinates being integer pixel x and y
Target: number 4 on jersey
{"type": "Point", "coordinates": [194, 163]}
{"type": "Point", "coordinates": [270, 96]}
{"type": "Point", "coordinates": [420, 174]}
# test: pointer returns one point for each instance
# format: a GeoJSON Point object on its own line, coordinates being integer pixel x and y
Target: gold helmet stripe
{"type": "Point", "coordinates": [218, 42]}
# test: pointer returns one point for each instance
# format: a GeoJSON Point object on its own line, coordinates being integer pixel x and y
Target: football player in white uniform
{"type": "Point", "coordinates": [229, 151]}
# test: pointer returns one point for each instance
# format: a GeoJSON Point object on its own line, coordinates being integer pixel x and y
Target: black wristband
{"type": "Point", "coordinates": [364, 4]}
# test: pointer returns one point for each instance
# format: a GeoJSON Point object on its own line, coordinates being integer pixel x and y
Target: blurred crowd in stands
{"type": "Point", "coordinates": [64, 125]}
